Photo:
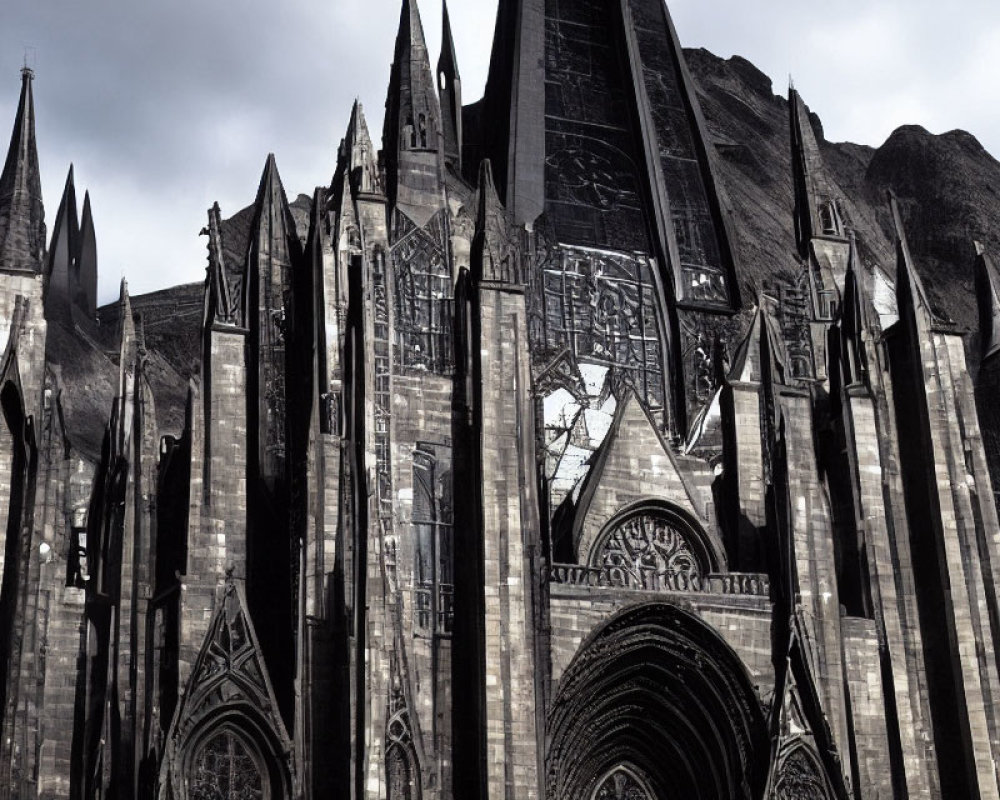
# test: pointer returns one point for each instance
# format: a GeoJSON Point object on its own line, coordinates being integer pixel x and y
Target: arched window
{"type": "Point", "coordinates": [652, 547]}
{"type": "Point", "coordinates": [227, 767]}
{"type": "Point", "coordinates": [622, 783]}
{"type": "Point", "coordinates": [830, 219]}
{"type": "Point", "coordinates": [422, 128]}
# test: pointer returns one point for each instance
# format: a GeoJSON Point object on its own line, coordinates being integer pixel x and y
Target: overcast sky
{"type": "Point", "coordinates": [165, 107]}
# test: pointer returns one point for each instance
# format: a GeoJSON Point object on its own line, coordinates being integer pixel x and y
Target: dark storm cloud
{"type": "Point", "coordinates": [166, 107]}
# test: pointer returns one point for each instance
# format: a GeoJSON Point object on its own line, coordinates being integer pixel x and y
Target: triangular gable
{"type": "Point", "coordinates": [229, 684]}
{"type": "Point", "coordinates": [634, 465]}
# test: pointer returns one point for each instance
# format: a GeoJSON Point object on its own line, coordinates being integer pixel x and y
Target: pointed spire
{"type": "Point", "coordinates": [817, 211]}
{"type": "Point", "coordinates": [273, 257]}
{"type": "Point", "coordinates": [450, 86]}
{"type": "Point", "coordinates": [63, 250]}
{"type": "Point", "coordinates": [86, 262]}
{"type": "Point", "coordinates": [357, 156]}
{"type": "Point", "coordinates": [988, 294]}
{"type": "Point", "coordinates": [274, 249]}
{"type": "Point", "coordinates": [909, 286]}
{"type": "Point", "coordinates": [412, 128]}
{"type": "Point", "coordinates": [22, 218]}
{"type": "Point", "coordinates": [493, 259]}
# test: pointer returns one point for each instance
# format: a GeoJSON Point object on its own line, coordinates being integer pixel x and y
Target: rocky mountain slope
{"type": "Point", "coordinates": [948, 187]}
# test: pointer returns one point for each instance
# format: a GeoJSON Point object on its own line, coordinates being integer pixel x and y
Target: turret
{"type": "Point", "coordinates": [22, 217]}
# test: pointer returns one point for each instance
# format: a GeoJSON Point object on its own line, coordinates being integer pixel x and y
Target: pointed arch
{"type": "Point", "coordinates": [799, 775]}
{"type": "Point", "coordinates": [228, 715]}
{"type": "Point", "coordinates": [657, 689]}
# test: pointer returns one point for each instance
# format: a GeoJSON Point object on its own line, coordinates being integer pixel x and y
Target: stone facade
{"type": "Point", "coordinates": [494, 480]}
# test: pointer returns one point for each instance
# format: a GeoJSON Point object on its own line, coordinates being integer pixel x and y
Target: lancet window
{"type": "Point", "coordinates": [432, 526]}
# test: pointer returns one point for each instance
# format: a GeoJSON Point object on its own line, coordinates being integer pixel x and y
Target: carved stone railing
{"type": "Point", "coordinates": [747, 584]}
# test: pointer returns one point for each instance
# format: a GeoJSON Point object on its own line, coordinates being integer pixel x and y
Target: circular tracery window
{"type": "Point", "coordinates": [649, 544]}
{"type": "Point", "coordinates": [225, 769]}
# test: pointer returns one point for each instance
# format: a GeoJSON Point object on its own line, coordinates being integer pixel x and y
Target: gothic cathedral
{"type": "Point", "coordinates": [495, 478]}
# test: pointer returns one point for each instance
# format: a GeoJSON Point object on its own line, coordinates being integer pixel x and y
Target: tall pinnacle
{"type": "Point", "coordinates": [86, 262]}
{"type": "Point", "coordinates": [909, 287]}
{"type": "Point", "coordinates": [450, 83]}
{"type": "Point", "coordinates": [816, 208]}
{"type": "Point", "coordinates": [22, 218]}
{"type": "Point", "coordinates": [357, 156]}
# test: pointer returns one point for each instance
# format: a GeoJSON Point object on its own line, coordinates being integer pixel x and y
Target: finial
{"type": "Point", "coordinates": [26, 71]}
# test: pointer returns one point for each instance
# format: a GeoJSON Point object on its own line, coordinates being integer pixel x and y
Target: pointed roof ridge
{"type": "Point", "coordinates": [988, 295]}
{"type": "Point", "coordinates": [22, 216]}
{"type": "Point", "coordinates": [908, 280]}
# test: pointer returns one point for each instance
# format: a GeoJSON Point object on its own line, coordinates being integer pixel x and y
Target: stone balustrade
{"type": "Point", "coordinates": [650, 580]}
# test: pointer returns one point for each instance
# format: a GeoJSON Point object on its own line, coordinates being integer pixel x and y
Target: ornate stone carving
{"type": "Point", "coordinates": [224, 769]}
{"type": "Point", "coordinates": [601, 307]}
{"type": "Point", "coordinates": [423, 291]}
{"type": "Point", "coordinates": [799, 779]}
{"type": "Point", "coordinates": [622, 784]}
{"type": "Point", "coordinates": [794, 315]}
{"type": "Point", "coordinates": [645, 547]}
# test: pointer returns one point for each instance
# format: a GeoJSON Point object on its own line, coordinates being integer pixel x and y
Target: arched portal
{"type": "Point", "coordinates": [657, 705]}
